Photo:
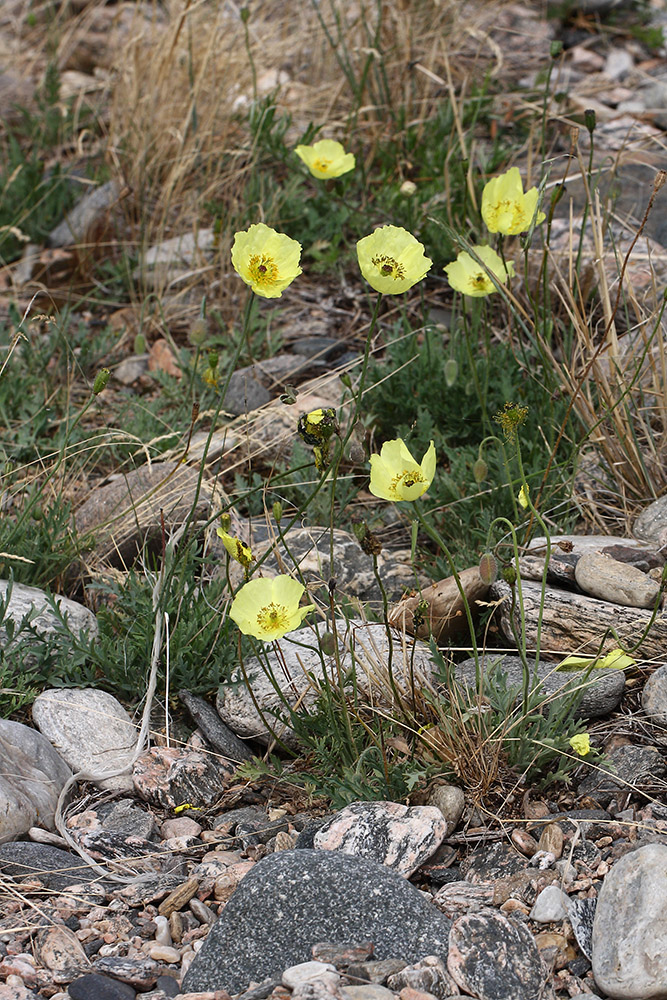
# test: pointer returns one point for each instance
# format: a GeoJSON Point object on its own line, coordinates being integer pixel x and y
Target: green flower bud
{"type": "Point", "coordinates": [480, 470]}
{"type": "Point", "coordinates": [198, 332]}
{"type": "Point", "coordinates": [488, 569]}
{"type": "Point", "coordinates": [555, 49]}
{"type": "Point", "coordinates": [451, 371]}
{"type": "Point", "coordinates": [590, 120]}
{"type": "Point", "coordinates": [139, 345]}
{"type": "Point", "coordinates": [101, 380]}
{"type": "Point", "coordinates": [328, 644]}
{"type": "Point", "coordinates": [509, 575]}
{"type": "Point", "coordinates": [225, 522]}
{"type": "Point", "coordinates": [277, 511]}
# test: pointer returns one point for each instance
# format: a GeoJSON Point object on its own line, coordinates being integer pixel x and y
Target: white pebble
{"type": "Point", "coordinates": [162, 932]}
{"type": "Point", "coordinates": [549, 906]}
{"type": "Point", "coordinates": [162, 953]}
{"type": "Point", "coordinates": [308, 972]}
{"type": "Point", "coordinates": [15, 981]}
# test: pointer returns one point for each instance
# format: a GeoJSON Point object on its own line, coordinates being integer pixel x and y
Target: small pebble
{"type": "Point", "coordinates": [549, 906]}
{"type": "Point", "coordinates": [524, 842]}
{"type": "Point", "coordinates": [162, 932]}
{"type": "Point", "coordinates": [162, 953]}
{"type": "Point", "coordinates": [202, 912]}
{"type": "Point", "coordinates": [551, 840]}
{"type": "Point", "coordinates": [308, 972]}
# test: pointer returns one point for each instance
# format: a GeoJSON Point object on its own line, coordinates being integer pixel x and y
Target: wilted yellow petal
{"type": "Point", "coordinates": [523, 495]}
{"type": "Point", "coordinates": [581, 744]}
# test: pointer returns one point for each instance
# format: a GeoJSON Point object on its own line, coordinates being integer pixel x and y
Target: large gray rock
{"type": "Point", "coordinates": [24, 861]}
{"type": "Point", "coordinates": [25, 601]}
{"type": "Point", "coordinates": [117, 519]}
{"type": "Point", "coordinates": [90, 729]}
{"type": "Point", "coordinates": [630, 927]}
{"type": "Point", "coordinates": [651, 525]}
{"type": "Point", "coordinates": [631, 768]}
{"type": "Point", "coordinates": [493, 957]}
{"type": "Point", "coordinates": [298, 675]}
{"type": "Point", "coordinates": [88, 212]}
{"type": "Point", "coordinates": [32, 775]}
{"type": "Point", "coordinates": [602, 691]}
{"type": "Point", "coordinates": [295, 899]}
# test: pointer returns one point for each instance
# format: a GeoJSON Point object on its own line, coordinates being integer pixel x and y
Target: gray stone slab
{"type": "Point", "coordinates": [294, 899]}
{"type": "Point", "coordinates": [32, 775]}
{"type": "Point", "coordinates": [25, 860]}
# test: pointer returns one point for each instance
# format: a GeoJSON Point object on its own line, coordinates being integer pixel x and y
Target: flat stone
{"type": "Point", "coordinates": [353, 568]}
{"type": "Point", "coordinates": [140, 973]}
{"type": "Point", "coordinates": [493, 957]}
{"type": "Point", "coordinates": [428, 976]}
{"type": "Point", "coordinates": [294, 899]}
{"type": "Point", "coordinates": [490, 862]}
{"type": "Point", "coordinates": [614, 581]}
{"type": "Point", "coordinates": [375, 972]}
{"type": "Point", "coordinates": [88, 212]}
{"type": "Point", "coordinates": [602, 692]}
{"type": "Point", "coordinates": [300, 665]}
{"type": "Point", "coordinates": [25, 860]}
{"type": "Point", "coordinates": [118, 519]}
{"type": "Point", "coordinates": [400, 837]}
{"type": "Point", "coordinates": [32, 775]}
{"type": "Point", "coordinates": [308, 972]}
{"type": "Point", "coordinates": [171, 776]}
{"type": "Point", "coordinates": [214, 729]}
{"type": "Point", "coordinates": [367, 991]}
{"type": "Point", "coordinates": [245, 392]}
{"type": "Point", "coordinates": [93, 986]}
{"type": "Point", "coordinates": [630, 927]}
{"type": "Point", "coordinates": [22, 601]}
{"type": "Point", "coordinates": [641, 767]}
{"type": "Point", "coordinates": [89, 728]}
{"type": "Point", "coordinates": [654, 696]}
{"type": "Point", "coordinates": [61, 952]}
{"type": "Point", "coordinates": [567, 550]}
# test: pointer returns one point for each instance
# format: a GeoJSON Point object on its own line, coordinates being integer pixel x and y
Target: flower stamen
{"type": "Point", "coordinates": [273, 616]}
{"type": "Point", "coordinates": [263, 269]}
{"type": "Point", "coordinates": [389, 267]}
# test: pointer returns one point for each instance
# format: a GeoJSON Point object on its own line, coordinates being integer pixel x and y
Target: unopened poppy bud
{"type": "Point", "coordinates": [213, 358]}
{"type": "Point", "coordinates": [328, 644]}
{"type": "Point", "coordinates": [555, 49]}
{"type": "Point", "coordinates": [101, 380]}
{"type": "Point", "coordinates": [277, 511]}
{"type": "Point", "coordinates": [590, 120]}
{"type": "Point", "coordinates": [488, 569]}
{"type": "Point", "coordinates": [139, 345]}
{"type": "Point", "coordinates": [451, 372]}
{"type": "Point", "coordinates": [198, 332]}
{"type": "Point", "coordinates": [480, 470]}
{"type": "Point", "coordinates": [225, 522]}
{"type": "Point", "coordinates": [509, 575]}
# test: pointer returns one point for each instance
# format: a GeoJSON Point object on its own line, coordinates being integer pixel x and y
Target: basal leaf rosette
{"type": "Point", "coordinates": [396, 475]}
{"type": "Point", "coordinates": [468, 276]}
{"type": "Point", "coordinates": [266, 260]}
{"type": "Point", "coordinates": [392, 260]}
{"type": "Point", "coordinates": [269, 608]}
{"type": "Point", "coordinates": [505, 207]}
{"type": "Point", "coordinates": [326, 158]}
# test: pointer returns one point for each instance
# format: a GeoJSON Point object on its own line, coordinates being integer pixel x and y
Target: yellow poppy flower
{"type": "Point", "coordinates": [505, 208]}
{"type": "Point", "coordinates": [395, 475]}
{"type": "Point", "coordinates": [266, 260]}
{"type": "Point", "coordinates": [581, 744]}
{"type": "Point", "coordinates": [326, 158]}
{"type": "Point", "coordinates": [392, 260]}
{"type": "Point", "coordinates": [465, 275]}
{"type": "Point", "coordinates": [269, 609]}
{"type": "Point", "coordinates": [237, 549]}
{"type": "Point", "coordinates": [523, 496]}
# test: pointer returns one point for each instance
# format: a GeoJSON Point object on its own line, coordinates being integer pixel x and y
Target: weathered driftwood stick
{"type": "Point", "coordinates": [575, 623]}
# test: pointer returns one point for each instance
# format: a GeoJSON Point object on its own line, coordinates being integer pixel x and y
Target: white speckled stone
{"type": "Point", "coordinates": [309, 972]}
{"type": "Point", "coordinates": [397, 836]}
{"type": "Point", "coordinates": [549, 906]}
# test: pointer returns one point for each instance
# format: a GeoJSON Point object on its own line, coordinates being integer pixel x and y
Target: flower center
{"type": "Point", "coordinates": [407, 478]}
{"type": "Point", "coordinates": [388, 267]}
{"type": "Point", "coordinates": [273, 617]}
{"type": "Point", "coordinates": [321, 164]}
{"type": "Point", "coordinates": [480, 281]}
{"type": "Point", "coordinates": [263, 269]}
